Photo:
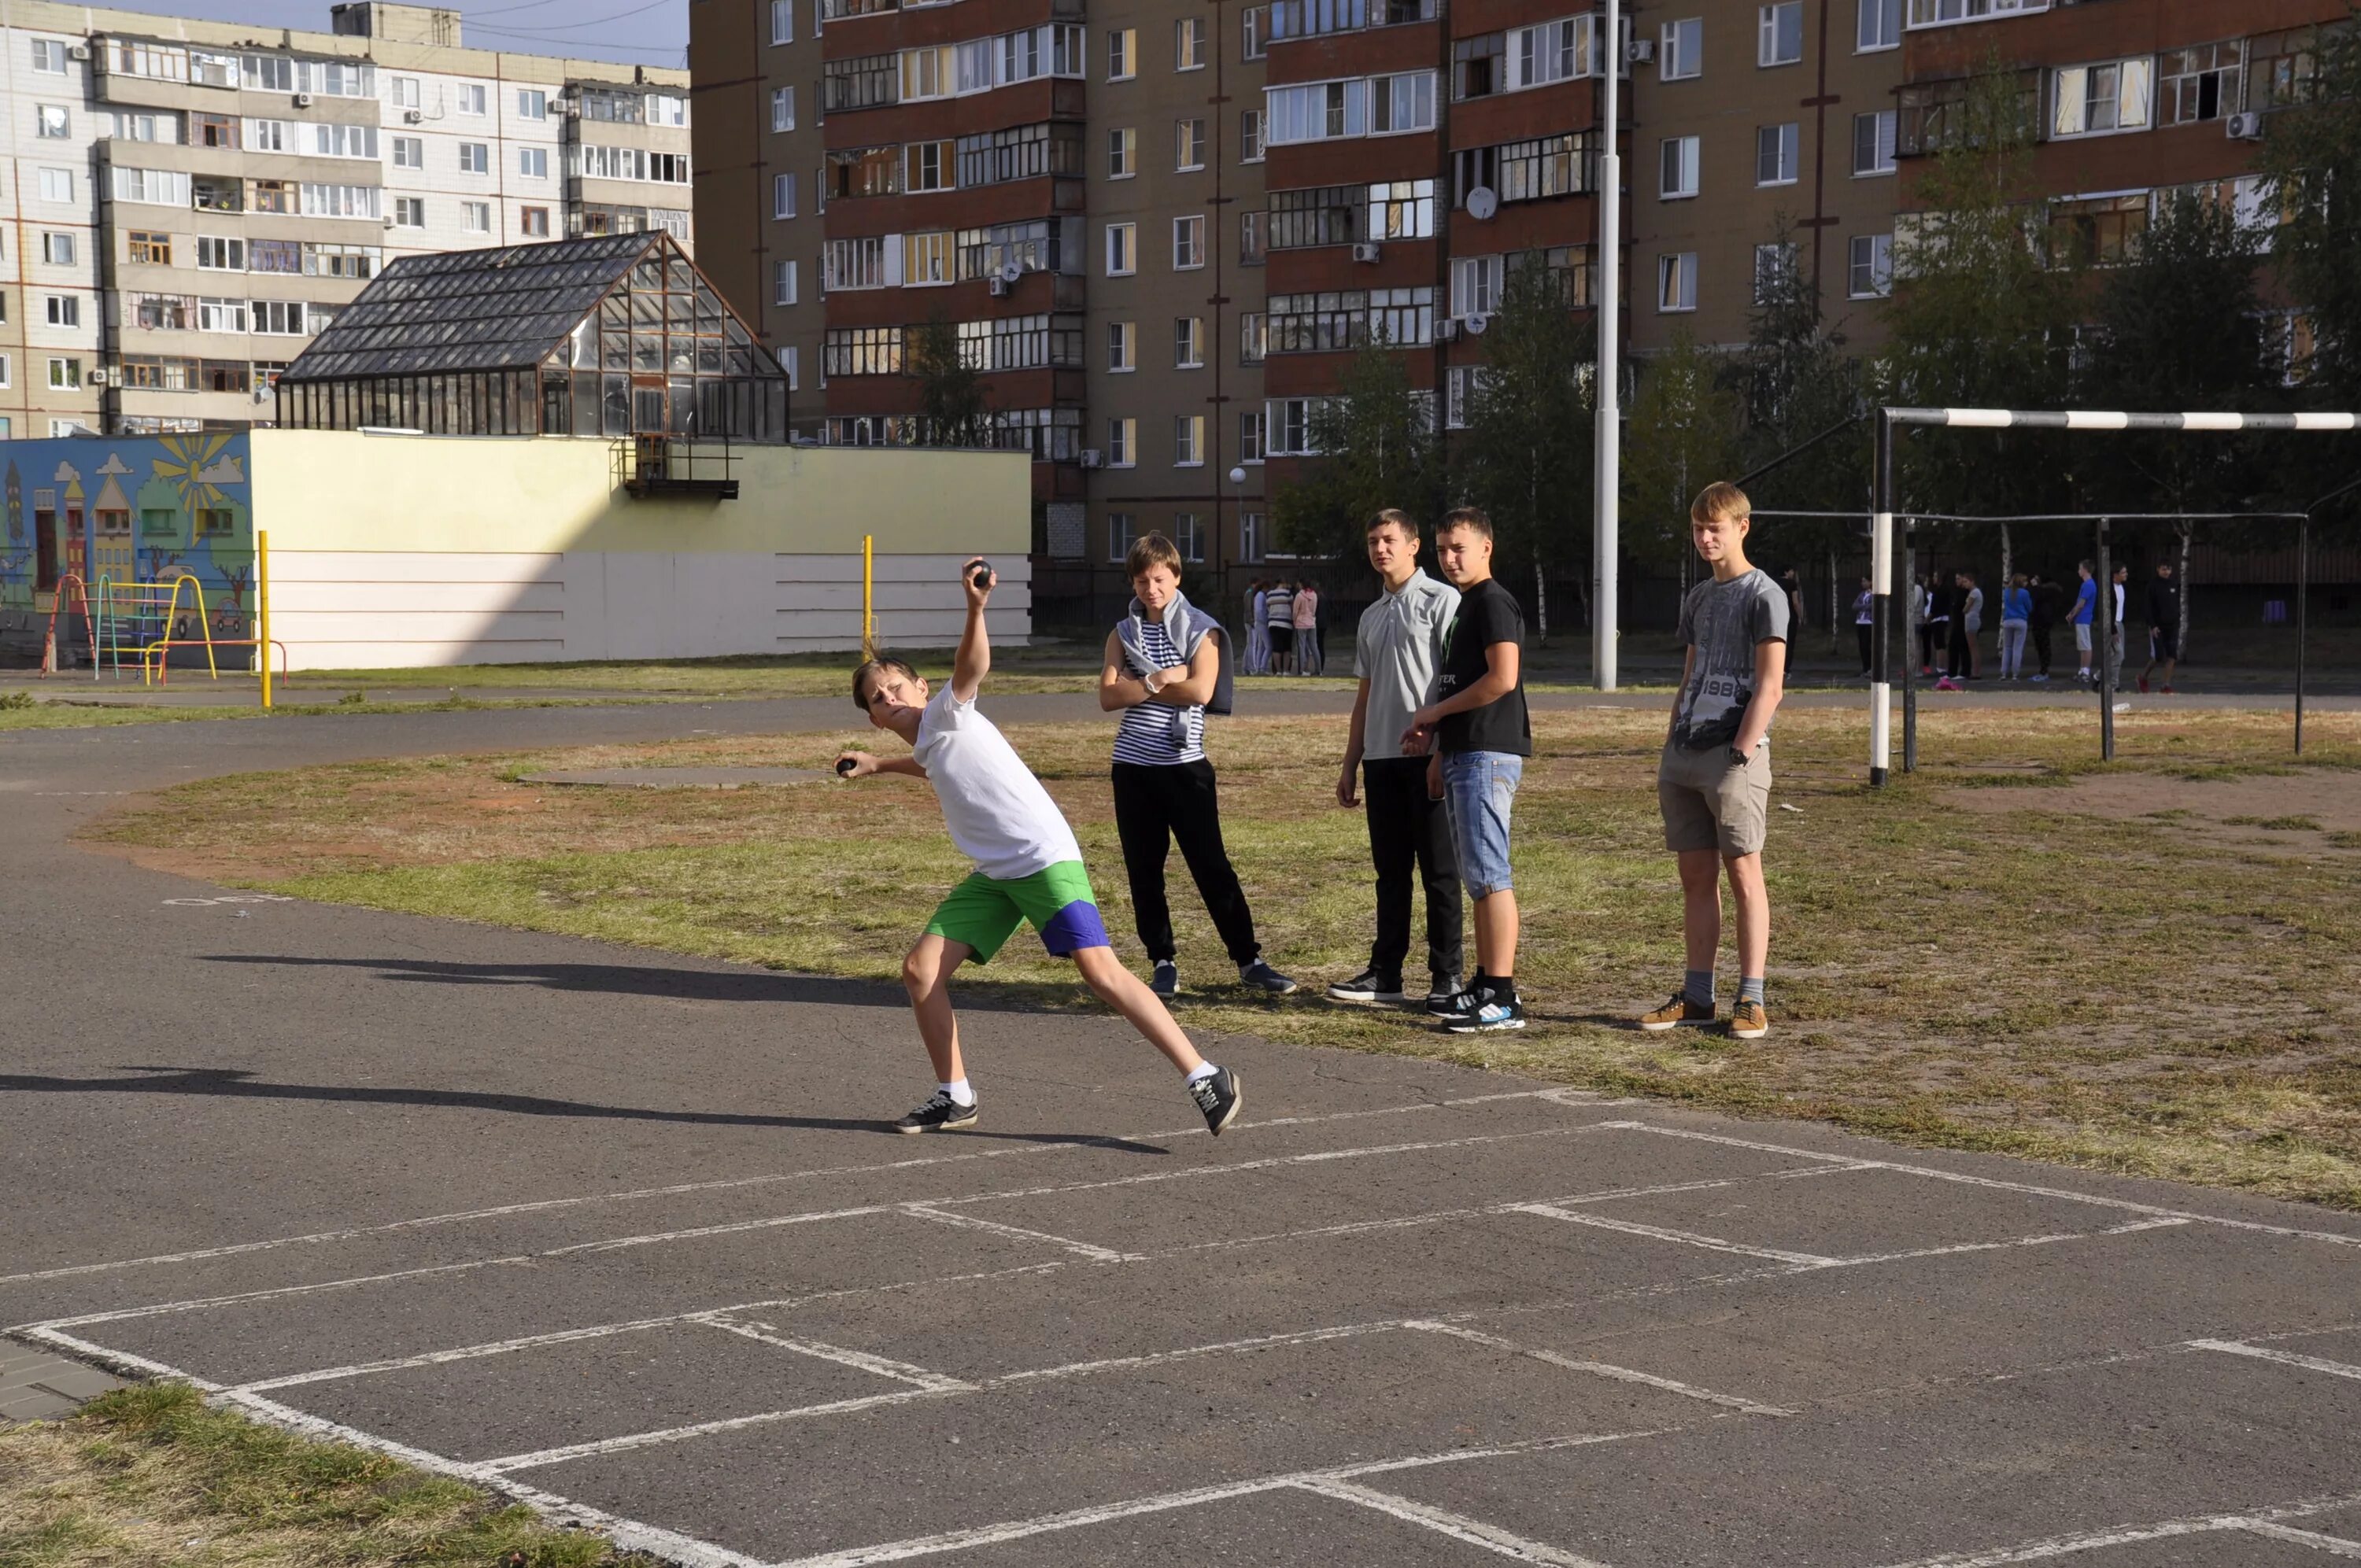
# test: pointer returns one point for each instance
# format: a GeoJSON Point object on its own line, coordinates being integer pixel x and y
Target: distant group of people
{"type": "Point", "coordinates": [1285, 634]}
{"type": "Point", "coordinates": [1949, 613]}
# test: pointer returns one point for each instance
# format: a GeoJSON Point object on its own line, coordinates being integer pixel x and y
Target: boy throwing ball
{"type": "Point", "coordinates": [1027, 869]}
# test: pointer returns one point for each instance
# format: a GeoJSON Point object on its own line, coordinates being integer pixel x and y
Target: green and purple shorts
{"type": "Point", "coordinates": [981, 912]}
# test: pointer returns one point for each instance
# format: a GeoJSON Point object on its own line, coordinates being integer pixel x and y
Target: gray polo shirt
{"type": "Point", "coordinates": [1398, 649]}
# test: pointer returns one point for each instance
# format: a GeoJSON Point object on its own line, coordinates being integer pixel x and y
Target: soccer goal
{"type": "Point", "coordinates": [1882, 544]}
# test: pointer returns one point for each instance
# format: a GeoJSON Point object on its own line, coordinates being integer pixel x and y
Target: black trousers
{"type": "Point", "coordinates": [1407, 830]}
{"type": "Point", "coordinates": [1862, 632]}
{"type": "Point", "coordinates": [1932, 635]}
{"type": "Point", "coordinates": [2041, 646]}
{"type": "Point", "coordinates": [1154, 806]}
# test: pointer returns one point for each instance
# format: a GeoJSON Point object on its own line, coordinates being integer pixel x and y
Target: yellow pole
{"type": "Point", "coordinates": [867, 597]}
{"type": "Point", "coordinates": [262, 608]}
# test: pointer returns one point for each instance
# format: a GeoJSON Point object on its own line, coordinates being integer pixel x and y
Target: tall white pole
{"type": "Point", "coordinates": [1608, 441]}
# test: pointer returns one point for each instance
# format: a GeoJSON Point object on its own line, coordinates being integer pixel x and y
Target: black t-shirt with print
{"type": "Point", "coordinates": [1488, 614]}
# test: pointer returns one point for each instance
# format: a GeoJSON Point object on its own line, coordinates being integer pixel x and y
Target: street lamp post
{"type": "Point", "coordinates": [1605, 464]}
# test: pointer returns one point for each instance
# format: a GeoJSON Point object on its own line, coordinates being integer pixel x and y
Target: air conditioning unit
{"type": "Point", "coordinates": [1094, 458]}
{"type": "Point", "coordinates": [1640, 51]}
{"type": "Point", "coordinates": [97, 378]}
{"type": "Point", "coordinates": [414, 117]}
{"type": "Point", "coordinates": [999, 287]}
{"type": "Point", "coordinates": [389, 220]}
{"type": "Point", "coordinates": [1475, 322]}
{"type": "Point", "coordinates": [1367, 250]}
{"type": "Point", "coordinates": [262, 394]}
{"type": "Point", "coordinates": [1446, 330]}
{"type": "Point", "coordinates": [77, 51]}
{"type": "Point", "coordinates": [2246, 127]}
{"type": "Point", "coordinates": [302, 100]}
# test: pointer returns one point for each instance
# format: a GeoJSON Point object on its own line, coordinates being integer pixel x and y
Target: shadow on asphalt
{"type": "Point", "coordinates": [238, 1083]}
{"type": "Point", "coordinates": [648, 979]}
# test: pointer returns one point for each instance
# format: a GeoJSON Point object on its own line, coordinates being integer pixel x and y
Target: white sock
{"type": "Point", "coordinates": [960, 1091]}
{"type": "Point", "coordinates": [1202, 1072]}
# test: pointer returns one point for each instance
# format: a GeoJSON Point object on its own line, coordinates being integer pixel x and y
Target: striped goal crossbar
{"type": "Point", "coordinates": [1881, 690]}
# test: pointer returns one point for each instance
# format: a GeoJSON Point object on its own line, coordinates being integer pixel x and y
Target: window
{"type": "Point", "coordinates": [1678, 176]}
{"type": "Point", "coordinates": [927, 73]}
{"type": "Point", "coordinates": [784, 283]}
{"type": "Point", "coordinates": [49, 56]}
{"type": "Point", "coordinates": [783, 21]}
{"type": "Point", "coordinates": [1317, 111]}
{"type": "Point", "coordinates": [215, 254]}
{"type": "Point", "coordinates": [2098, 230]}
{"type": "Point", "coordinates": [338, 201]}
{"type": "Point", "coordinates": [138, 125]}
{"type": "Point", "coordinates": [1318, 323]}
{"type": "Point", "coordinates": [476, 217]}
{"type": "Point", "coordinates": [927, 166]}
{"type": "Point", "coordinates": [279, 318]}
{"type": "Point", "coordinates": [1873, 143]}
{"type": "Point", "coordinates": [1252, 429]}
{"type": "Point", "coordinates": [1188, 43]}
{"type": "Point", "coordinates": [1250, 523]}
{"type": "Point", "coordinates": [1188, 536]}
{"type": "Point", "coordinates": [1775, 267]}
{"type": "Point", "coordinates": [158, 62]}
{"type": "Point", "coordinates": [1776, 154]}
{"type": "Point", "coordinates": [360, 262]}
{"type": "Point", "coordinates": [161, 187]}
{"type": "Point", "coordinates": [787, 359]}
{"type": "Point", "coordinates": [1254, 25]}
{"type": "Point", "coordinates": [1253, 231]}
{"type": "Point", "coordinates": [58, 249]}
{"type": "Point", "coordinates": [1123, 444]}
{"type": "Point", "coordinates": [222, 315]}
{"type": "Point", "coordinates": [783, 195]}
{"type": "Point", "coordinates": [2203, 83]}
{"type": "Point", "coordinates": [1123, 153]}
{"type": "Point", "coordinates": [1779, 34]}
{"type": "Point", "coordinates": [270, 196]}
{"type": "Point", "coordinates": [2095, 100]}
{"type": "Point", "coordinates": [1254, 336]}
{"type": "Point", "coordinates": [1528, 170]}
{"type": "Point", "coordinates": [1121, 249]}
{"type": "Point", "coordinates": [533, 223]}
{"type": "Point", "coordinates": [1934, 12]}
{"type": "Point", "coordinates": [1189, 343]}
{"type": "Point", "coordinates": [1020, 152]}
{"type": "Point", "coordinates": [1879, 26]}
{"type": "Point", "coordinates": [1249, 136]}
{"type": "Point", "coordinates": [861, 351]}
{"type": "Point", "coordinates": [148, 249]}
{"type": "Point", "coordinates": [274, 256]}
{"type": "Point", "coordinates": [57, 185]}
{"type": "Point", "coordinates": [409, 152]}
{"type": "Point", "coordinates": [351, 142]}
{"type": "Point", "coordinates": [1870, 272]}
{"type": "Point", "coordinates": [860, 83]}
{"type": "Point", "coordinates": [1401, 209]}
{"type": "Point", "coordinates": [473, 98]}
{"type": "Point", "coordinates": [1020, 57]}
{"type": "Point", "coordinates": [532, 162]}
{"type": "Point", "coordinates": [65, 376]}
{"type": "Point", "coordinates": [927, 259]}
{"type": "Point", "coordinates": [783, 108]}
{"type": "Point", "coordinates": [1068, 54]}
{"type": "Point", "coordinates": [1188, 145]}
{"type": "Point", "coordinates": [1475, 285]}
{"type": "Point", "coordinates": [1683, 53]}
{"type": "Point", "coordinates": [2282, 68]}
{"type": "Point", "coordinates": [533, 103]}
{"type": "Point", "coordinates": [406, 93]}
{"type": "Point", "coordinates": [859, 263]}
{"type": "Point", "coordinates": [1677, 282]}
{"type": "Point", "coordinates": [1476, 66]}
{"type": "Point", "coordinates": [1398, 104]}
{"type": "Point", "coordinates": [1188, 243]}
{"type": "Point", "coordinates": [474, 156]}
{"type": "Point", "coordinates": [1321, 214]}
{"type": "Point", "coordinates": [161, 312]}
{"type": "Point", "coordinates": [1188, 441]}
{"type": "Point", "coordinates": [53, 122]}
{"type": "Point", "coordinates": [1461, 383]}
{"type": "Point", "coordinates": [1288, 426]}
{"type": "Point", "coordinates": [1122, 54]}
{"type": "Point", "coordinates": [1552, 51]}
{"type": "Point", "coordinates": [1121, 526]}
{"type": "Point", "coordinates": [64, 310]}
{"type": "Point", "coordinates": [409, 211]}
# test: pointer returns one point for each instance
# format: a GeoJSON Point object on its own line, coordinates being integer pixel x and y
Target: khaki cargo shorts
{"type": "Point", "coordinates": [1711, 803]}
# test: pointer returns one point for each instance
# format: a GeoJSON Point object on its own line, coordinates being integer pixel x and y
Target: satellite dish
{"type": "Point", "coordinates": [1477, 322]}
{"type": "Point", "coordinates": [1482, 202]}
{"type": "Point", "coordinates": [1011, 270]}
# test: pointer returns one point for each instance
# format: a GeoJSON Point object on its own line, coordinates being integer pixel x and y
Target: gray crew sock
{"type": "Point", "coordinates": [1699, 987]}
{"type": "Point", "coordinates": [1749, 989]}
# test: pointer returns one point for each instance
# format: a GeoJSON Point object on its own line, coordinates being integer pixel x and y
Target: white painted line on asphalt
{"type": "Point", "coordinates": [113, 1360]}
{"type": "Point", "coordinates": [2285, 1357]}
{"type": "Point", "coordinates": [1191, 1352]}
{"type": "Point", "coordinates": [2334, 1545]}
{"type": "Point", "coordinates": [602, 1447]}
{"type": "Point", "coordinates": [1075, 1518]}
{"type": "Point", "coordinates": [969, 1221]}
{"type": "Point", "coordinates": [1599, 1368]}
{"type": "Point", "coordinates": [900, 1371]}
{"type": "Point", "coordinates": [642, 1194]}
{"type": "Point", "coordinates": [158, 1308]}
{"type": "Point", "coordinates": [734, 1227]}
{"type": "Point", "coordinates": [2132, 1229]}
{"type": "Point", "coordinates": [1660, 1232]}
{"type": "Point", "coordinates": [2125, 1535]}
{"type": "Point", "coordinates": [1994, 1183]}
{"type": "Point", "coordinates": [1459, 1526]}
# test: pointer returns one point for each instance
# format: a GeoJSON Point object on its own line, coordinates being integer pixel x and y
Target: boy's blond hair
{"type": "Point", "coordinates": [877, 666]}
{"type": "Point", "coordinates": [1720, 501]}
{"type": "Point", "coordinates": [1151, 550]}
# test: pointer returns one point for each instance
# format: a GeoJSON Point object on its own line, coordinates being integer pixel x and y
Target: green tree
{"type": "Point", "coordinates": [952, 409]}
{"type": "Point", "coordinates": [1681, 435]}
{"type": "Point", "coordinates": [1377, 448]}
{"type": "Point", "coordinates": [2307, 161]}
{"type": "Point", "coordinates": [1526, 457]}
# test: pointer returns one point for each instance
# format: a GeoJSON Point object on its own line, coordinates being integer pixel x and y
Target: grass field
{"type": "Point", "coordinates": [65, 713]}
{"type": "Point", "coordinates": [149, 1475]}
{"type": "Point", "coordinates": [2152, 967]}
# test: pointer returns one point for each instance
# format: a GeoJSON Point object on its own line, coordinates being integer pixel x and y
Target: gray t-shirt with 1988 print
{"type": "Point", "coordinates": [1725, 622]}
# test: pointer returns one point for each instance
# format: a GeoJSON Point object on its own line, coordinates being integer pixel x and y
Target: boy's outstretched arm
{"type": "Point", "coordinates": [974, 659]}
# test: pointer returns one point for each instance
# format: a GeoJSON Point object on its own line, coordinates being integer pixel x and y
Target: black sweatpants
{"type": "Point", "coordinates": [1862, 632]}
{"type": "Point", "coordinates": [2041, 645]}
{"type": "Point", "coordinates": [1406, 829]}
{"type": "Point", "coordinates": [1154, 804]}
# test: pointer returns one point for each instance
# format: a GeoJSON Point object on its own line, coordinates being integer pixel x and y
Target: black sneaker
{"type": "Point", "coordinates": [1166, 981]}
{"type": "Point", "coordinates": [1219, 1097]}
{"type": "Point", "coordinates": [1494, 1013]}
{"type": "Point", "coordinates": [1456, 1003]}
{"type": "Point", "coordinates": [1440, 993]}
{"type": "Point", "coordinates": [940, 1115]}
{"type": "Point", "coordinates": [1369, 985]}
{"type": "Point", "coordinates": [1260, 976]}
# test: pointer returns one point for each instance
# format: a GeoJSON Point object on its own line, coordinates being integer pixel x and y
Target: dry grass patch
{"type": "Point", "coordinates": [2016, 948]}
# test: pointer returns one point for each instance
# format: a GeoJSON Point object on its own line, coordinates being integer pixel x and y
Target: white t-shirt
{"type": "Point", "coordinates": [997, 812]}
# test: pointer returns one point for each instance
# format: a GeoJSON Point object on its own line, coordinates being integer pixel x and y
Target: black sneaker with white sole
{"type": "Point", "coordinates": [1219, 1097]}
{"type": "Point", "coordinates": [1493, 1013]}
{"type": "Point", "coordinates": [1369, 985]}
{"type": "Point", "coordinates": [1455, 1005]}
{"type": "Point", "coordinates": [1440, 993]}
{"type": "Point", "coordinates": [1260, 976]}
{"type": "Point", "coordinates": [940, 1115]}
{"type": "Point", "coordinates": [1166, 981]}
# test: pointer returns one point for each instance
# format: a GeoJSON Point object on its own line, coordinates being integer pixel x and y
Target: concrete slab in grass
{"type": "Point", "coordinates": [680, 778]}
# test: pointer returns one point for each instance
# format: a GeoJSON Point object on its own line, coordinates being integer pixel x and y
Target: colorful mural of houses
{"type": "Point", "coordinates": [97, 516]}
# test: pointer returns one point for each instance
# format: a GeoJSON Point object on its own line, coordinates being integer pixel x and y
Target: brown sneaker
{"type": "Point", "coordinates": [1749, 1022]}
{"type": "Point", "coordinates": [1678, 1012]}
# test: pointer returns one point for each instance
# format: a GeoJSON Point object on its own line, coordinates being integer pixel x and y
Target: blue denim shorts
{"type": "Point", "coordinates": [1479, 790]}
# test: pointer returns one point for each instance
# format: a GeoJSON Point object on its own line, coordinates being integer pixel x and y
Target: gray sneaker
{"type": "Point", "coordinates": [1260, 976]}
{"type": "Point", "coordinates": [1166, 981]}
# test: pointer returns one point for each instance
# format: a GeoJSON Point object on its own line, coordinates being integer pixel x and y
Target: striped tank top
{"type": "Point", "coordinates": [1155, 733]}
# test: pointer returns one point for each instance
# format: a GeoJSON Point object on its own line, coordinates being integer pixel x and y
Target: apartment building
{"type": "Point", "coordinates": [192, 201]}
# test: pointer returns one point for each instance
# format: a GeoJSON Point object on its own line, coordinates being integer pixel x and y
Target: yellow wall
{"type": "Point", "coordinates": [337, 490]}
